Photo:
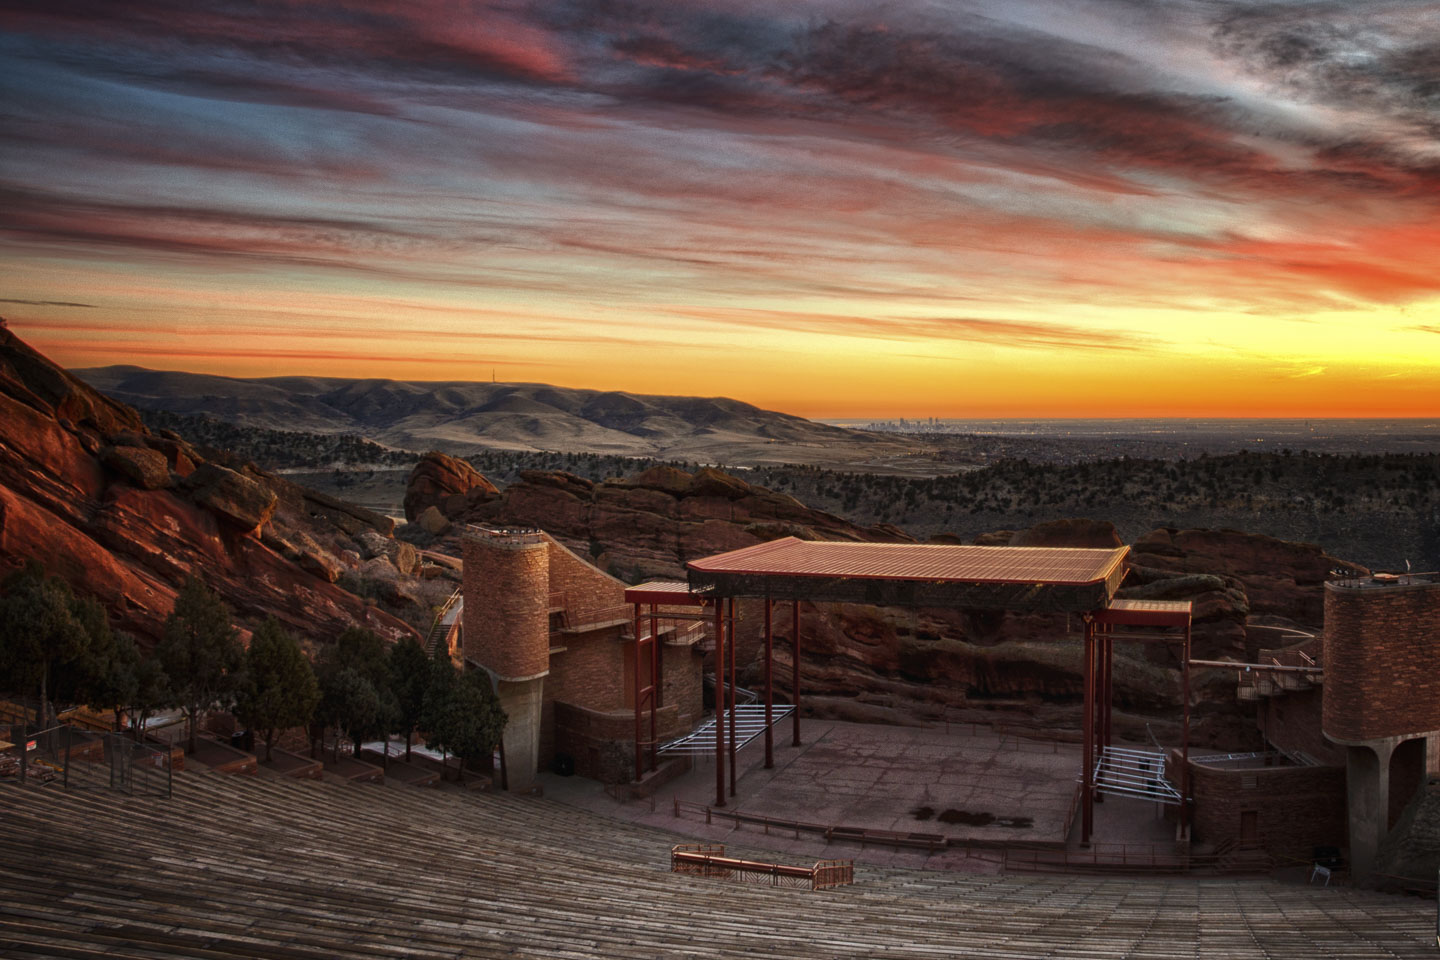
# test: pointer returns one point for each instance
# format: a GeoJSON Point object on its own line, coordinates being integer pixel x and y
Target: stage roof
{"type": "Point", "coordinates": [914, 574]}
{"type": "Point", "coordinates": [1146, 613]}
{"type": "Point", "coordinates": [663, 592]}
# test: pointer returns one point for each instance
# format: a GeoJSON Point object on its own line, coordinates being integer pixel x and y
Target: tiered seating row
{"type": "Point", "coordinates": [244, 867]}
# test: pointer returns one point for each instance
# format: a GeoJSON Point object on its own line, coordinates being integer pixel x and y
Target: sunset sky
{"type": "Point", "coordinates": [984, 209]}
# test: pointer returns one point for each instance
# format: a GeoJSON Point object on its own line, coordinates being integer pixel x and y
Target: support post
{"type": "Point", "coordinates": [769, 691]}
{"type": "Point", "coordinates": [1109, 684]}
{"type": "Point", "coordinates": [639, 699]}
{"type": "Point", "coordinates": [730, 648]}
{"type": "Point", "coordinates": [654, 684]}
{"type": "Point", "coordinates": [719, 701]}
{"type": "Point", "coordinates": [795, 669]}
{"type": "Point", "coordinates": [1087, 797]}
{"type": "Point", "coordinates": [1185, 798]}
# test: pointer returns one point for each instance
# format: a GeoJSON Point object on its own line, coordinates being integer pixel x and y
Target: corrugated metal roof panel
{"type": "Point", "coordinates": [790, 557]}
{"type": "Point", "coordinates": [1146, 613]}
{"type": "Point", "coordinates": [674, 592]}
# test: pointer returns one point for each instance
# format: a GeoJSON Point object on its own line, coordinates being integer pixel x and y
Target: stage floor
{"type": "Point", "coordinates": [964, 781]}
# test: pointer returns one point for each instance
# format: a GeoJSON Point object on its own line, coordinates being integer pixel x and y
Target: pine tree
{"type": "Point", "coordinates": [46, 634]}
{"type": "Point", "coordinates": [410, 675]}
{"type": "Point", "coordinates": [461, 713]}
{"type": "Point", "coordinates": [438, 703]}
{"type": "Point", "coordinates": [200, 651]}
{"type": "Point", "coordinates": [356, 688]}
{"type": "Point", "coordinates": [277, 688]}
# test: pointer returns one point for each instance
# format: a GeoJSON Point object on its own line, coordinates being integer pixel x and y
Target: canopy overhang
{"type": "Point", "coordinates": [1031, 579]}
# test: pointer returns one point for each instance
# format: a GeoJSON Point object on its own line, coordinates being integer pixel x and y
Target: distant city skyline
{"type": "Point", "coordinates": [1093, 208]}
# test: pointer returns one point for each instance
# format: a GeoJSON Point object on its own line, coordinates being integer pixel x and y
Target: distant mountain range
{"type": "Point", "coordinates": [462, 417]}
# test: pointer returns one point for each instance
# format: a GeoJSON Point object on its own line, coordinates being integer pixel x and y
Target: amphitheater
{"type": "Point", "coordinates": [263, 867]}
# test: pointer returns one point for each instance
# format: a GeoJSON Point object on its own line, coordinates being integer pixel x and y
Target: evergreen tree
{"type": "Point", "coordinates": [356, 689]}
{"type": "Point", "coordinates": [276, 689]}
{"type": "Point", "coordinates": [478, 720]}
{"type": "Point", "coordinates": [113, 678]}
{"type": "Point", "coordinates": [438, 703]}
{"type": "Point", "coordinates": [409, 675]}
{"type": "Point", "coordinates": [200, 651]}
{"type": "Point", "coordinates": [350, 702]}
{"type": "Point", "coordinates": [461, 713]}
{"type": "Point", "coordinates": [46, 634]}
{"type": "Point", "coordinates": [150, 692]}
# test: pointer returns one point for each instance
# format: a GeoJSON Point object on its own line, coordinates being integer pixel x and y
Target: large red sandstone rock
{"type": "Point", "coordinates": [652, 524]}
{"type": "Point", "coordinates": [140, 465]}
{"type": "Point", "coordinates": [1094, 534]}
{"type": "Point", "coordinates": [1280, 578]}
{"type": "Point", "coordinates": [232, 496]}
{"type": "Point", "coordinates": [131, 547]}
{"type": "Point", "coordinates": [447, 483]}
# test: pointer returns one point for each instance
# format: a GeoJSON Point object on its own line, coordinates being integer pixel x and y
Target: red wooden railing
{"type": "Point", "coordinates": [709, 860]}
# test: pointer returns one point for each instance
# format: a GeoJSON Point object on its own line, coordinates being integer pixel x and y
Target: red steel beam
{"type": "Point", "coordinates": [795, 669]}
{"type": "Point", "coordinates": [1087, 809]}
{"type": "Point", "coordinates": [1109, 684]}
{"type": "Point", "coordinates": [769, 690]}
{"type": "Point", "coordinates": [639, 750]}
{"type": "Point", "coordinates": [1185, 738]}
{"type": "Point", "coordinates": [719, 702]}
{"type": "Point", "coordinates": [654, 683]}
{"type": "Point", "coordinates": [730, 643]}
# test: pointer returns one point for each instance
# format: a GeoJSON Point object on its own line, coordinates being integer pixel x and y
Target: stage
{"type": "Point", "coordinates": [963, 781]}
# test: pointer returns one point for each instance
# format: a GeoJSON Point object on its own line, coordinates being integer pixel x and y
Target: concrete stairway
{"type": "Point", "coordinates": [258, 867]}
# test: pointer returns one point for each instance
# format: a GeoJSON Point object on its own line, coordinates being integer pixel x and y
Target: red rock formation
{"type": "Point", "coordinates": [651, 524]}
{"type": "Point", "coordinates": [450, 485]}
{"type": "Point", "coordinates": [1279, 578]}
{"type": "Point", "coordinates": [129, 535]}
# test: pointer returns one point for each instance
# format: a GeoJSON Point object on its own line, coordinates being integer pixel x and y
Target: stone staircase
{"type": "Point", "coordinates": [289, 870]}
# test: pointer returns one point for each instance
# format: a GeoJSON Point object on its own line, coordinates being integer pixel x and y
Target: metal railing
{"type": "Point", "coordinates": [438, 629]}
{"type": "Point", "coordinates": [80, 760]}
{"type": "Point", "coordinates": [709, 860]}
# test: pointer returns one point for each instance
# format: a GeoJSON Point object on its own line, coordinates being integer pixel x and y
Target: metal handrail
{"type": "Point", "coordinates": [432, 636]}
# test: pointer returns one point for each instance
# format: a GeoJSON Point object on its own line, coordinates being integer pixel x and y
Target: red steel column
{"type": "Point", "coordinates": [1185, 736]}
{"type": "Point", "coordinates": [795, 668]}
{"type": "Point", "coordinates": [730, 646]}
{"type": "Point", "coordinates": [654, 681]}
{"type": "Point", "coordinates": [719, 702]}
{"type": "Point", "coordinates": [639, 699]}
{"type": "Point", "coordinates": [1087, 810]}
{"type": "Point", "coordinates": [769, 691]}
{"type": "Point", "coordinates": [1109, 682]}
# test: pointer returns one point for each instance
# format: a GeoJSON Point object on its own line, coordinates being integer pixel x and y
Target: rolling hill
{"type": "Point", "coordinates": [464, 417]}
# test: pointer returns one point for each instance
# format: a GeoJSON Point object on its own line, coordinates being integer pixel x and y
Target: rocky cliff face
{"type": "Point", "coordinates": [125, 515]}
{"type": "Point", "coordinates": [648, 525]}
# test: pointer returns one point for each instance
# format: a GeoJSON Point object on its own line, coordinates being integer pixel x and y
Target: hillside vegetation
{"type": "Point", "coordinates": [1376, 509]}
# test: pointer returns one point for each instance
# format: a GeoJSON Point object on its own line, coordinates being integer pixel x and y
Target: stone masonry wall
{"type": "Point", "coordinates": [1291, 721]}
{"type": "Point", "coordinates": [603, 744]}
{"type": "Point", "coordinates": [506, 586]}
{"type": "Point", "coordinates": [589, 673]}
{"type": "Point", "coordinates": [1382, 660]}
{"type": "Point", "coordinates": [1296, 808]}
{"type": "Point", "coordinates": [681, 679]}
{"type": "Point", "coordinates": [585, 590]}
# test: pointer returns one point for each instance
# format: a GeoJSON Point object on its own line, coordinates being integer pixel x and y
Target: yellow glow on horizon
{"type": "Point", "coordinates": [807, 357]}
